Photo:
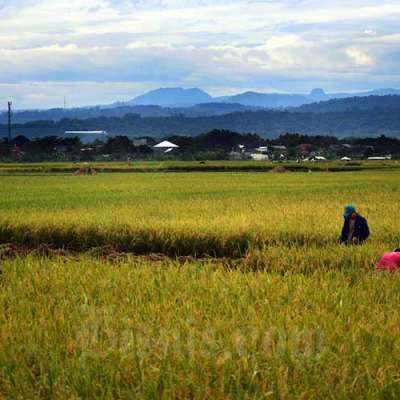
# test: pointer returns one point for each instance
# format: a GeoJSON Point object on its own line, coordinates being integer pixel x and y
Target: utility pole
{"type": "Point", "coordinates": [9, 122]}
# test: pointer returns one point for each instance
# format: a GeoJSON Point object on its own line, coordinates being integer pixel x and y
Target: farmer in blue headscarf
{"type": "Point", "coordinates": [355, 229]}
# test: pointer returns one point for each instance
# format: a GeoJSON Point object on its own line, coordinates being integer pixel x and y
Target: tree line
{"type": "Point", "coordinates": [216, 144]}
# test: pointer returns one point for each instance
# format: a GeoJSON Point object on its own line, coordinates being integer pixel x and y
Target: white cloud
{"type": "Point", "coordinates": [147, 45]}
{"type": "Point", "coordinates": [278, 45]}
{"type": "Point", "coordinates": [359, 57]}
{"type": "Point", "coordinates": [46, 94]}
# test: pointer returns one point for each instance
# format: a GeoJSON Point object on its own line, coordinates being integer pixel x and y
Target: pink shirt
{"type": "Point", "coordinates": [390, 262]}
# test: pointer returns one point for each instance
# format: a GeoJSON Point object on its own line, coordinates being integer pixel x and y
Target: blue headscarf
{"type": "Point", "coordinates": [348, 210]}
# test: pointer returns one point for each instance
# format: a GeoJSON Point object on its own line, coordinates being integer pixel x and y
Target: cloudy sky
{"type": "Point", "coordinates": [101, 51]}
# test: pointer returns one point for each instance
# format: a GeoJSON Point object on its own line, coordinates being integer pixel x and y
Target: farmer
{"type": "Point", "coordinates": [389, 261]}
{"type": "Point", "coordinates": [355, 229]}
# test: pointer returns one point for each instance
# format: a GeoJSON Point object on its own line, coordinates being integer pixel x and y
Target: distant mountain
{"type": "Point", "coordinates": [267, 100]}
{"type": "Point", "coordinates": [172, 97]}
{"type": "Point", "coordinates": [317, 95]}
{"type": "Point", "coordinates": [277, 100]}
{"type": "Point", "coordinates": [210, 109]}
{"type": "Point", "coordinates": [267, 123]}
{"type": "Point", "coordinates": [57, 114]}
{"type": "Point", "coordinates": [195, 103]}
{"type": "Point", "coordinates": [376, 92]}
{"type": "Point", "coordinates": [383, 102]}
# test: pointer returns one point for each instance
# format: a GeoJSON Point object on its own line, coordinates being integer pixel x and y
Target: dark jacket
{"type": "Point", "coordinates": [361, 229]}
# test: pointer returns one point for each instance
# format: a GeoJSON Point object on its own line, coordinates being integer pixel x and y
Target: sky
{"type": "Point", "coordinates": [102, 51]}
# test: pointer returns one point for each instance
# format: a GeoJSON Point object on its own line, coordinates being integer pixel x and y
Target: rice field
{"type": "Point", "coordinates": [196, 214]}
{"type": "Point", "coordinates": [197, 285]}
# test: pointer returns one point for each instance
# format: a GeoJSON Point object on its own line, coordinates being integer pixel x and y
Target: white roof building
{"type": "Point", "coordinates": [94, 133]}
{"type": "Point", "coordinates": [379, 158]}
{"type": "Point", "coordinates": [88, 136]}
{"type": "Point", "coordinates": [166, 145]}
{"type": "Point", "coordinates": [262, 149]}
{"type": "Point", "coordinates": [259, 157]}
{"type": "Point", "coordinates": [315, 158]}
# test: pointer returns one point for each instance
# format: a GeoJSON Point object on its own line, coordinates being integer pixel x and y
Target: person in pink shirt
{"type": "Point", "coordinates": [389, 261]}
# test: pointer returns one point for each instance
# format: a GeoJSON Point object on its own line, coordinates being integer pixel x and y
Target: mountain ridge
{"type": "Point", "coordinates": [386, 102]}
{"type": "Point", "coordinates": [203, 109]}
{"type": "Point", "coordinates": [172, 97]}
{"type": "Point", "coordinates": [267, 123]}
{"type": "Point", "coordinates": [175, 97]}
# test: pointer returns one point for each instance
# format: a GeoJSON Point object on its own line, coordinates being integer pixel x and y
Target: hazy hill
{"type": "Point", "coordinates": [179, 97]}
{"type": "Point", "coordinates": [317, 101]}
{"type": "Point", "coordinates": [390, 102]}
{"type": "Point", "coordinates": [210, 109]}
{"type": "Point", "coordinates": [376, 92]}
{"type": "Point", "coordinates": [56, 114]}
{"type": "Point", "coordinates": [268, 100]}
{"type": "Point", "coordinates": [268, 123]}
{"type": "Point", "coordinates": [278, 100]}
{"type": "Point", "coordinates": [169, 97]}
